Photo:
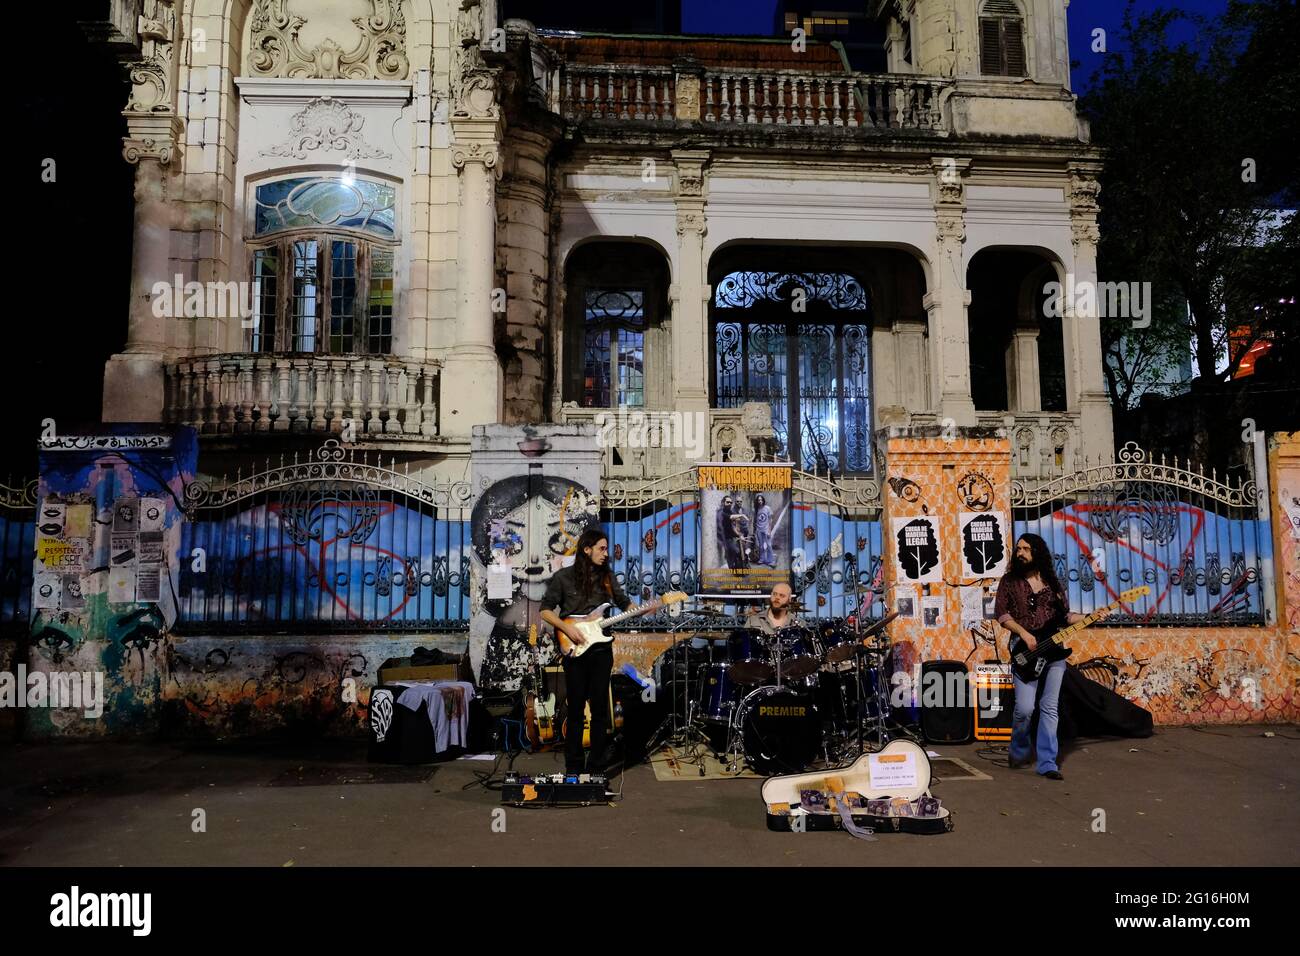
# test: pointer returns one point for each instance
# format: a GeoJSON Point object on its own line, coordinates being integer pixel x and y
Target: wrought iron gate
{"type": "Point", "coordinates": [1202, 545]}
{"type": "Point", "coordinates": [335, 543]}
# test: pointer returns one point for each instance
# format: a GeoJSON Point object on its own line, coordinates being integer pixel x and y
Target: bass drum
{"type": "Point", "coordinates": [780, 729]}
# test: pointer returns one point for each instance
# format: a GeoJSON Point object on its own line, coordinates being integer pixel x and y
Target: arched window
{"type": "Point", "coordinates": [616, 345]}
{"type": "Point", "coordinates": [799, 341]}
{"type": "Point", "coordinates": [322, 266]}
{"type": "Point", "coordinates": [1002, 39]}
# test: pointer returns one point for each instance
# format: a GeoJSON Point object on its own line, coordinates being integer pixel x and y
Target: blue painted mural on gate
{"type": "Point", "coordinates": [333, 560]}
{"type": "Point", "coordinates": [1202, 567]}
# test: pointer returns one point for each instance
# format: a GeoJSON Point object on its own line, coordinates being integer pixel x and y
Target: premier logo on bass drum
{"type": "Point", "coordinates": [782, 711]}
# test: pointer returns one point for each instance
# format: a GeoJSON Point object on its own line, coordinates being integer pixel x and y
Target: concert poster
{"type": "Point", "coordinates": [745, 526]}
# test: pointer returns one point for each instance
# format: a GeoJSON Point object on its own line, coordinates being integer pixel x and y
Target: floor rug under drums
{"type": "Point", "coordinates": [671, 764]}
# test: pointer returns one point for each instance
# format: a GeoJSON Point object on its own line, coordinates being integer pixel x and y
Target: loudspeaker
{"type": "Point", "coordinates": [995, 701]}
{"type": "Point", "coordinates": [946, 712]}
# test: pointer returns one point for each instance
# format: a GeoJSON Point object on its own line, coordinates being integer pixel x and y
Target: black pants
{"type": "Point", "coordinates": [586, 680]}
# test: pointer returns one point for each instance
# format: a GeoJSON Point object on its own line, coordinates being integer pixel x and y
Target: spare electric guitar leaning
{"type": "Point", "coordinates": [594, 627]}
{"type": "Point", "coordinates": [1050, 647]}
{"type": "Point", "coordinates": [540, 711]}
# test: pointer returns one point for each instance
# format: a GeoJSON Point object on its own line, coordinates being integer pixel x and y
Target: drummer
{"type": "Point", "coordinates": [777, 614]}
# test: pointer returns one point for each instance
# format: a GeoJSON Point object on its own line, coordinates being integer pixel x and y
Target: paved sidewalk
{"type": "Point", "coordinates": [1213, 797]}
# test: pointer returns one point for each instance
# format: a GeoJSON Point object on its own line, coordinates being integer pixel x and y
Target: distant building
{"type": "Point", "coordinates": [844, 21]}
{"type": "Point", "coordinates": [598, 16]}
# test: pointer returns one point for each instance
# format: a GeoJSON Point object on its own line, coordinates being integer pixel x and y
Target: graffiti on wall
{"type": "Point", "coordinates": [531, 525]}
{"type": "Point", "coordinates": [104, 576]}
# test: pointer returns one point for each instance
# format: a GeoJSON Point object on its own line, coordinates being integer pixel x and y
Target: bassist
{"type": "Point", "coordinates": [581, 587]}
{"type": "Point", "coordinates": [1033, 605]}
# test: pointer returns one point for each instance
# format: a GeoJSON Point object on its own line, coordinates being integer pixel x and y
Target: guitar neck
{"type": "Point", "coordinates": [630, 613]}
{"type": "Point", "coordinates": [1077, 626]}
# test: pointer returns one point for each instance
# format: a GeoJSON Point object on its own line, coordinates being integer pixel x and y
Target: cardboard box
{"type": "Point", "coordinates": [399, 668]}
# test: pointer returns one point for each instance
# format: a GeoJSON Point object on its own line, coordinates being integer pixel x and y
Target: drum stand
{"type": "Point", "coordinates": [688, 734]}
{"type": "Point", "coordinates": [881, 724]}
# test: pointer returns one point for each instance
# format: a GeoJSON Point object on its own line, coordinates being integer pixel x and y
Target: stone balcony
{"type": "Point", "coordinates": [644, 445]}
{"type": "Point", "coordinates": [244, 393]}
{"type": "Point", "coordinates": [1044, 445]}
{"type": "Point", "coordinates": [736, 98]}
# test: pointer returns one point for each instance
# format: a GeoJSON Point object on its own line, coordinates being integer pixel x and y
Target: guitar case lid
{"type": "Point", "coordinates": [900, 771]}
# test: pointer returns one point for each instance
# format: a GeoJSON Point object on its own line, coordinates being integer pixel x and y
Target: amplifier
{"type": "Point", "coordinates": [995, 702]}
{"type": "Point", "coordinates": [554, 790]}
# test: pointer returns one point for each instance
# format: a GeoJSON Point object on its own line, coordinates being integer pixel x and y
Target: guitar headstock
{"type": "Point", "coordinates": [1132, 594]}
{"type": "Point", "coordinates": [674, 597]}
{"type": "Point", "coordinates": [532, 635]}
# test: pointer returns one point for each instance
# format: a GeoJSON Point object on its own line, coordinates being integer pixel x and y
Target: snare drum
{"type": "Point", "coordinates": [749, 657]}
{"type": "Point", "coordinates": [798, 649]}
{"type": "Point", "coordinates": [780, 729]}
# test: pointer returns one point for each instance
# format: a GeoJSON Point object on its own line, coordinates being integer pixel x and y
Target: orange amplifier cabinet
{"type": "Point", "coordinates": [995, 701]}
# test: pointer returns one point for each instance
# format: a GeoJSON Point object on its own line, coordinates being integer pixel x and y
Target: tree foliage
{"type": "Point", "coordinates": [1201, 141]}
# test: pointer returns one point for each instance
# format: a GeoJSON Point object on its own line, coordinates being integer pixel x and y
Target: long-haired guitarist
{"type": "Point", "coordinates": [576, 590]}
{"type": "Point", "coordinates": [1032, 603]}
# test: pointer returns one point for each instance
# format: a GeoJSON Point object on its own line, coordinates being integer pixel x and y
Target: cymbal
{"type": "Point", "coordinates": [878, 626]}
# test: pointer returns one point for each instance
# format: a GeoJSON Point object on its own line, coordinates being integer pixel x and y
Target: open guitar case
{"type": "Point", "coordinates": [782, 794]}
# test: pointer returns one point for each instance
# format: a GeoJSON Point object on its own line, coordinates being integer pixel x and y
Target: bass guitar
{"type": "Point", "coordinates": [1050, 646]}
{"type": "Point", "coordinates": [594, 627]}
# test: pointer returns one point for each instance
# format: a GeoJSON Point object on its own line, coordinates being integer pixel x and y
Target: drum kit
{"type": "Point", "coordinates": [781, 700]}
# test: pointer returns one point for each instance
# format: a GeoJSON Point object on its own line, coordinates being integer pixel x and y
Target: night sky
{"type": "Point", "coordinates": [757, 17]}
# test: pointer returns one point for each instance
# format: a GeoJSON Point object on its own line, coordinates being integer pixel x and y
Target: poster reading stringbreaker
{"type": "Point", "coordinates": [744, 526]}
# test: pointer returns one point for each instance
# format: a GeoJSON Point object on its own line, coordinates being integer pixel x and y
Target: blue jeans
{"type": "Point", "coordinates": [1026, 691]}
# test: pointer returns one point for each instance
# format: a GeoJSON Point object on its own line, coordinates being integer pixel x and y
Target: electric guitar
{"type": "Point", "coordinates": [594, 627]}
{"type": "Point", "coordinates": [539, 716]}
{"type": "Point", "coordinates": [1029, 665]}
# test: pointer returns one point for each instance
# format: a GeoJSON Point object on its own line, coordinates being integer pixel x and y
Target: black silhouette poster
{"type": "Point", "coordinates": [916, 543]}
{"type": "Point", "coordinates": [983, 544]}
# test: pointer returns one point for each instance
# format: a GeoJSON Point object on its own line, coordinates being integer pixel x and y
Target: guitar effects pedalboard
{"type": "Point", "coordinates": [554, 789]}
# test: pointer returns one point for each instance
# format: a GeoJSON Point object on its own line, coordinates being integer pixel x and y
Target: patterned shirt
{"type": "Point", "coordinates": [1032, 610]}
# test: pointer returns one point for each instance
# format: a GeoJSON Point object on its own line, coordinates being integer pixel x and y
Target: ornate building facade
{"type": "Point", "coordinates": [437, 220]}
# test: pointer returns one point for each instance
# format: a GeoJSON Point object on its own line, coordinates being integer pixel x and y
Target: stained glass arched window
{"type": "Point", "coordinates": [323, 265]}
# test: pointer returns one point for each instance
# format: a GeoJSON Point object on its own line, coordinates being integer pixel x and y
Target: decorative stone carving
{"type": "Point", "coordinates": [379, 54]}
{"type": "Point", "coordinates": [690, 182]}
{"type": "Point", "coordinates": [477, 98]}
{"type": "Point", "coordinates": [134, 150]}
{"type": "Point", "coordinates": [153, 126]}
{"type": "Point", "coordinates": [950, 226]}
{"type": "Point", "coordinates": [691, 221]}
{"type": "Point", "coordinates": [326, 124]}
{"type": "Point", "coordinates": [1084, 230]}
{"type": "Point", "coordinates": [1084, 188]}
{"type": "Point", "coordinates": [475, 153]}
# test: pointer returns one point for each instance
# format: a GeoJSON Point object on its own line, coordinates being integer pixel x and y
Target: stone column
{"type": "Point", "coordinates": [472, 379]}
{"type": "Point", "coordinates": [1023, 391]}
{"type": "Point", "coordinates": [948, 300]}
{"type": "Point", "coordinates": [690, 344]}
{"type": "Point", "coordinates": [135, 379]}
{"type": "Point", "coordinates": [1081, 329]}
{"type": "Point", "coordinates": [910, 387]}
{"type": "Point", "coordinates": [524, 253]}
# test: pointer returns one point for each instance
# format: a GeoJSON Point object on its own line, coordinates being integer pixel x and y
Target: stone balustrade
{"type": "Point", "coordinates": [249, 393]}
{"type": "Point", "coordinates": [771, 98]}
